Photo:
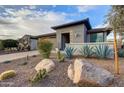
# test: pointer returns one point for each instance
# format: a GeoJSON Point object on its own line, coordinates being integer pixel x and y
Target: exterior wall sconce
{"type": "Point", "coordinates": [77, 35]}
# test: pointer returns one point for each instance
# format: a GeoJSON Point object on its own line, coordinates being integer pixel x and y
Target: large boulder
{"type": "Point", "coordinates": [81, 71]}
{"type": "Point", "coordinates": [47, 64]}
{"type": "Point", "coordinates": [70, 71]}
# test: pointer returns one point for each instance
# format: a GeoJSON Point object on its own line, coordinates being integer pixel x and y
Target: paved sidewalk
{"type": "Point", "coordinates": [8, 57]}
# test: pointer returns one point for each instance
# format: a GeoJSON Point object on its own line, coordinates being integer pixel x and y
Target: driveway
{"type": "Point", "coordinates": [8, 57]}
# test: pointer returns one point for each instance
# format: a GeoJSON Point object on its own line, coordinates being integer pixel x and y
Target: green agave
{"type": "Point", "coordinates": [103, 51]}
{"type": "Point", "coordinates": [86, 51]}
{"type": "Point", "coordinates": [69, 51]}
{"type": "Point", "coordinates": [121, 53]}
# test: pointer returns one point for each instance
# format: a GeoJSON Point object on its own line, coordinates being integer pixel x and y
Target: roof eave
{"type": "Point", "coordinates": [84, 21]}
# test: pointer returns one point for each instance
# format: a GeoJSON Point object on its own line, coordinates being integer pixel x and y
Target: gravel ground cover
{"type": "Point", "coordinates": [56, 78]}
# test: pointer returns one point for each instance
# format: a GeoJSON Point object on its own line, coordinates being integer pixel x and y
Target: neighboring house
{"type": "Point", "coordinates": [28, 42]}
{"type": "Point", "coordinates": [74, 32]}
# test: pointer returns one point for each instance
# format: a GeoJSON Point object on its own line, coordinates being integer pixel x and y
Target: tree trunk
{"type": "Point", "coordinates": [116, 54]}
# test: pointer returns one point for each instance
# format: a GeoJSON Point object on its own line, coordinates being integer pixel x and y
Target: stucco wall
{"type": "Point", "coordinates": [77, 34]}
{"type": "Point", "coordinates": [33, 44]}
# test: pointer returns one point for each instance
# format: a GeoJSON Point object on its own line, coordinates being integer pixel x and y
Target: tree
{"type": "Point", "coordinates": [1, 45]}
{"type": "Point", "coordinates": [9, 43]}
{"type": "Point", "coordinates": [115, 18]}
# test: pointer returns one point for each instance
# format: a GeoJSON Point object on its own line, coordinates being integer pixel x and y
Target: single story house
{"type": "Point", "coordinates": [75, 32]}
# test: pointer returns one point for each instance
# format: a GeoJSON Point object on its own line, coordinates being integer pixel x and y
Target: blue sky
{"type": "Point", "coordinates": [16, 21]}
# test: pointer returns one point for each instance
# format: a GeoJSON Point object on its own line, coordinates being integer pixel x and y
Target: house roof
{"type": "Point", "coordinates": [84, 21]}
{"type": "Point", "coordinates": [99, 30]}
{"type": "Point", "coordinates": [46, 35]}
{"type": "Point", "coordinates": [31, 37]}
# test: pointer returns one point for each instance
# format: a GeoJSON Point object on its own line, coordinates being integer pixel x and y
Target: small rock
{"type": "Point", "coordinates": [6, 62]}
{"type": "Point", "coordinates": [23, 63]}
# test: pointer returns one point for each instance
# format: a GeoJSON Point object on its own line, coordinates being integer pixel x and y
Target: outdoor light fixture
{"type": "Point", "coordinates": [77, 35]}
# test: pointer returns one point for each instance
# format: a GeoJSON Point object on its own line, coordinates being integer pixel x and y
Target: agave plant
{"type": "Point", "coordinates": [103, 51]}
{"type": "Point", "coordinates": [86, 51]}
{"type": "Point", "coordinates": [121, 53]}
{"type": "Point", "coordinates": [69, 51]}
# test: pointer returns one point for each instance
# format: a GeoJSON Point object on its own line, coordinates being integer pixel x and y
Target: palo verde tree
{"type": "Point", "coordinates": [115, 18]}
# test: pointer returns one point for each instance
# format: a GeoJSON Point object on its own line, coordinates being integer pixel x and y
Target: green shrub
{"type": "Point", "coordinates": [9, 43]}
{"type": "Point", "coordinates": [45, 48]}
{"type": "Point", "coordinates": [60, 56]}
{"type": "Point", "coordinates": [121, 53]}
{"type": "Point", "coordinates": [39, 76]}
{"type": "Point", "coordinates": [69, 51]}
{"type": "Point", "coordinates": [7, 74]}
{"type": "Point", "coordinates": [102, 51]}
{"type": "Point", "coordinates": [86, 51]}
{"type": "Point", "coordinates": [1, 45]}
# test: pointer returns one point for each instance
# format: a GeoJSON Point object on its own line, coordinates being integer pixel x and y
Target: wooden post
{"type": "Point", "coordinates": [116, 64]}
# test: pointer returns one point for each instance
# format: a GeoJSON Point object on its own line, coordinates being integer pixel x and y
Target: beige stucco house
{"type": "Point", "coordinates": [75, 32]}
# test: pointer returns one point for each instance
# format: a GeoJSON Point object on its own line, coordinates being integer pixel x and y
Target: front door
{"type": "Point", "coordinates": [65, 39]}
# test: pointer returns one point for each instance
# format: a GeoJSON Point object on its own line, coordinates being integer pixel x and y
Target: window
{"type": "Point", "coordinates": [97, 37]}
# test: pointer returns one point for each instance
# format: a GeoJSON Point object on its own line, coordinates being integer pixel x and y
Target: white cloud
{"type": "Point", "coordinates": [18, 13]}
{"type": "Point", "coordinates": [102, 25]}
{"type": "Point", "coordinates": [32, 7]}
{"type": "Point", "coordinates": [26, 21]}
{"type": "Point", "coordinates": [85, 8]}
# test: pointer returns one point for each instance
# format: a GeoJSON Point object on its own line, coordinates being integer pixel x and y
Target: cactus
{"type": "Point", "coordinates": [39, 76]}
{"type": "Point", "coordinates": [7, 74]}
{"type": "Point", "coordinates": [60, 57]}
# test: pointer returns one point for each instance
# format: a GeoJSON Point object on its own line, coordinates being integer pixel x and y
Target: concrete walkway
{"type": "Point", "coordinates": [8, 57]}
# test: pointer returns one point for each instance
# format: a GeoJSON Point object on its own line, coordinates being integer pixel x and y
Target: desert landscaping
{"type": "Point", "coordinates": [83, 65]}
{"type": "Point", "coordinates": [25, 69]}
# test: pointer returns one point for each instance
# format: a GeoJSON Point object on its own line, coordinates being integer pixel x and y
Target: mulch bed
{"type": "Point", "coordinates": [56, 78]}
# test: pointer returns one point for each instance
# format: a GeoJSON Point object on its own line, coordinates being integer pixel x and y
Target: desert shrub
{"type": "Point", "coordinates": [60, 56]}
{"type": "Point", "coordinates": [69, 51]}
{"type": "Point", "coordinates": [102, 51]}
{"type": "Point", "coordinates": [121, 53]}
{"type": "Point", "coordinates": [45, 47]}
{"type": "Point", "coordinates": [86, 51]}
{"type": "Point", "coordinates": [39, 76]}
{"type": "Point", "coordinates": [7, 74]}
